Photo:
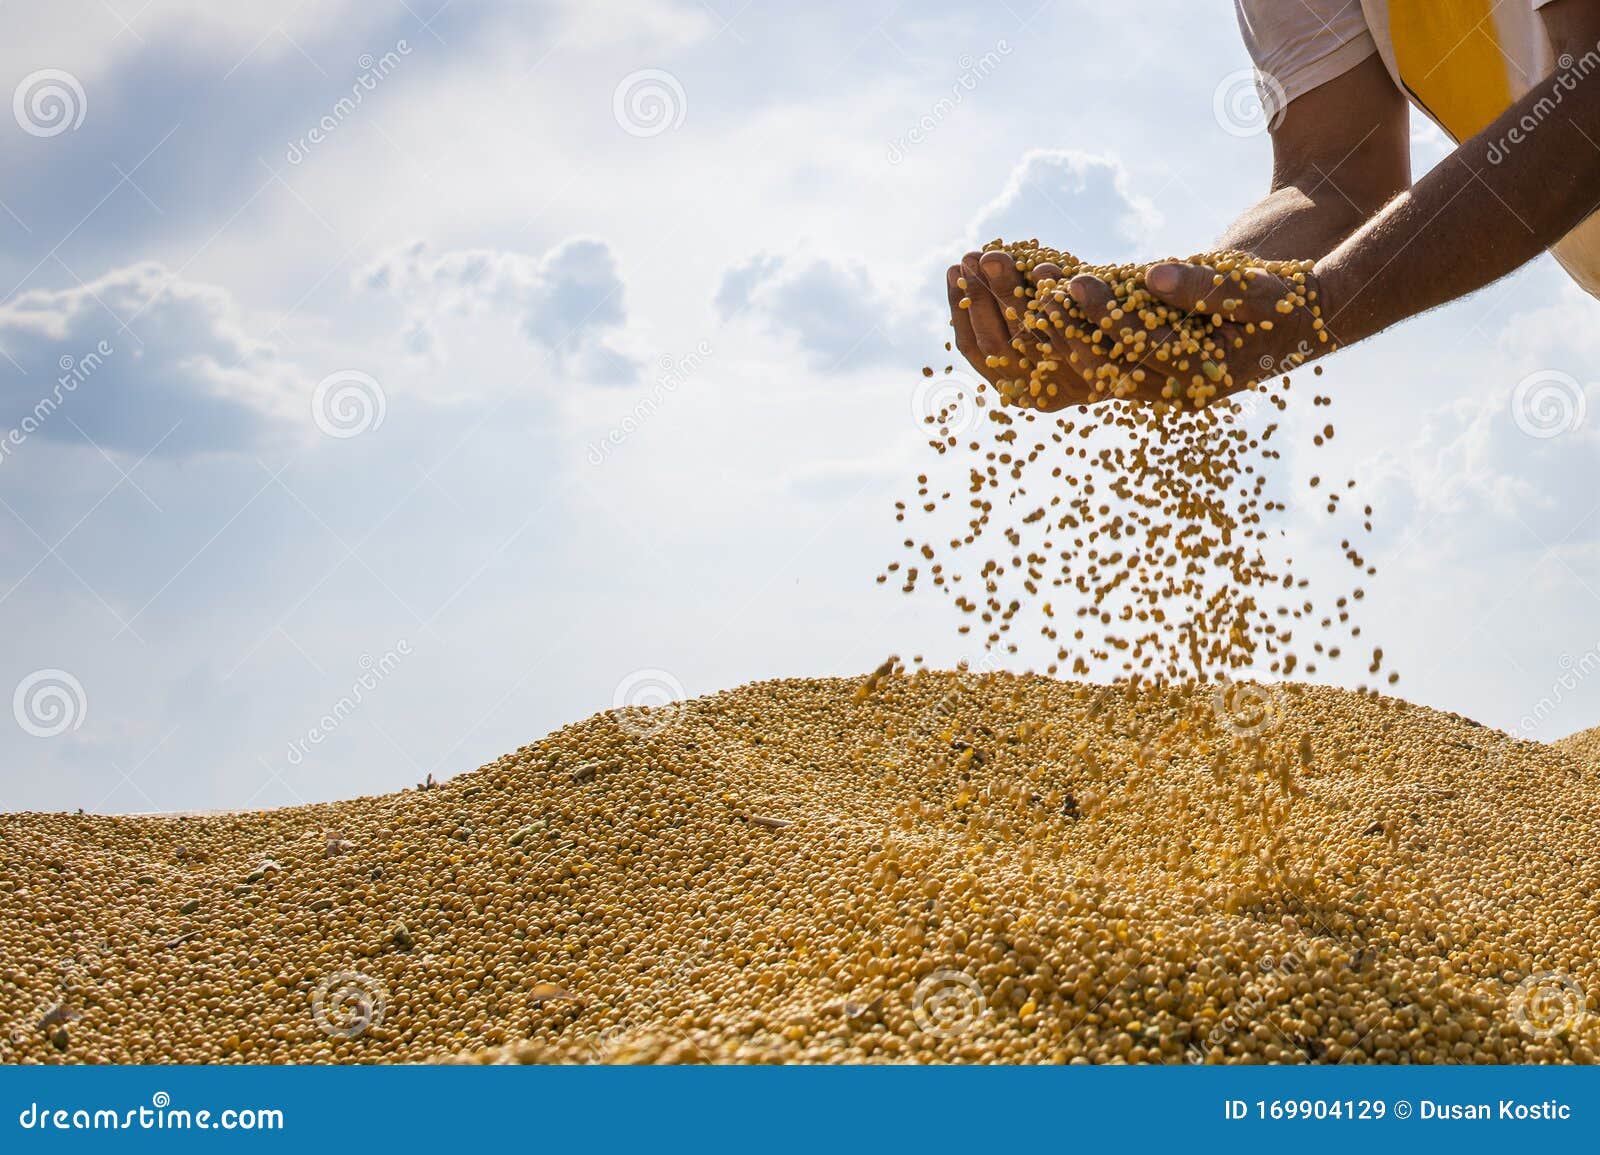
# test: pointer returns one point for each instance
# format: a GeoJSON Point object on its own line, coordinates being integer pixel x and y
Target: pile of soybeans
{"type": "Point", "coordinates": [909, 867]}
{"type": "Point", "coordinates": [906, 867]}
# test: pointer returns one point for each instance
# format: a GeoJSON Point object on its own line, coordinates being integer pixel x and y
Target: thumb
{"type": "Point", "coordinates": [1247, 295]}
{"type": "Point", "coordinates": [1192, 288]}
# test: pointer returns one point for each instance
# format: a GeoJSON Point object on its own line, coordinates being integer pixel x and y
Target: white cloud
{"type": "Point", "coordinates": [89, 37]}
{"type": "Point", "coordinates": [1511, 465]}
{"type": "Point", "coordinates": [1515, 468]}
{"type": "Point", "coordinates": [1071, 199]}
{"type": "Point", "coordinates": [1560, 333]}
{"type": "Point", "coordinates": [833, 312]}
{"type": "Point", "coordinates": [569, 302]}
{"type": "Point", "coordinates": [662, 25]}
{"type": "Point", "coordinates": [141, 356]}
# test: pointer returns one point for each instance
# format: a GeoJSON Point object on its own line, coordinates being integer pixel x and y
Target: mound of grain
{"type": "Point", "coordinates": [1584, 746]}
{"type": "Point", "coordinates": [899, 868]}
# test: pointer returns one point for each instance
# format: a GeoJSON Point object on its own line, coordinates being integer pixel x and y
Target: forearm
{"type": "Point", "coordinates": [1293, 223]}
{"type": "Point", "coordinates": [1469, 222]}
{"type": "Point", "coordinates": [1339, 154]}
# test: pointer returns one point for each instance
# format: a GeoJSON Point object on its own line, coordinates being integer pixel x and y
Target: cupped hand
{"type": "Point", "coordinates": [988, 304]}
{"type": "Point", "coordinates": [1262, 324]}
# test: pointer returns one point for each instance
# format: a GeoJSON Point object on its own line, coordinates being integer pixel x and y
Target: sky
{"type": "Point", "coordinates": [387, 384]}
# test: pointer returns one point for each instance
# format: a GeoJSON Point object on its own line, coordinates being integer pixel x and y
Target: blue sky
{"type": "Point", "coordinates": [417, 378]}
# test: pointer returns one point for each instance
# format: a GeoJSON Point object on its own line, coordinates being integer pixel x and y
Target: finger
{"type": "Point", "coordinates": [1191, 288]}
{"type": "Point", "coordinates": [1051, 308]}
{"type": "Point", "coordinates": [1162, 379]}
{"type": "Point", "coordinates": [988, 325]}
{"type": "Point", "coordinates": [1050, 389]}
{"type": "Point", "coordinates": [1093, 297]}
{"type": "Point", "coordinates": [1244, 295]}
{"type": "Point", "coordinates": [1001, 276]}
{"type": "Point", "coordinates": [1145, 364]}
{"type": "Point", "coordinates": [1256, 295]}
{"type": "Point", "coordinates": [1064, 388]}
{"type": "Point", "coordinates": [1095, 300]}
{"type": "Point", "coordinates": [966, 342]}
{"type": "Point", "coordinates": [1048, 314]}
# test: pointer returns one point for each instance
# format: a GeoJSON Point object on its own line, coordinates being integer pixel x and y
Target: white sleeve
{"type": "Point", "coordinates": [1301, 44]}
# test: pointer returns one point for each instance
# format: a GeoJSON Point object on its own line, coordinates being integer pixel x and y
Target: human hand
{"type": "Point", "coordinates": [988, 307]}
{"type": "Point", "coordinates": [1048, 346]}
{"type": "Point", "coordinates": [1264, 322]}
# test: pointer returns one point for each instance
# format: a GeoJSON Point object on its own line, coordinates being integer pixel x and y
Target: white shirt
{"type": "Point", "coordinates": [1462, 62]}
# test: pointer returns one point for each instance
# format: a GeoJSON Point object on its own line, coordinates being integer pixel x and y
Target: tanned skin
{"type": "Point", "coordinates": [1386, 249]}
